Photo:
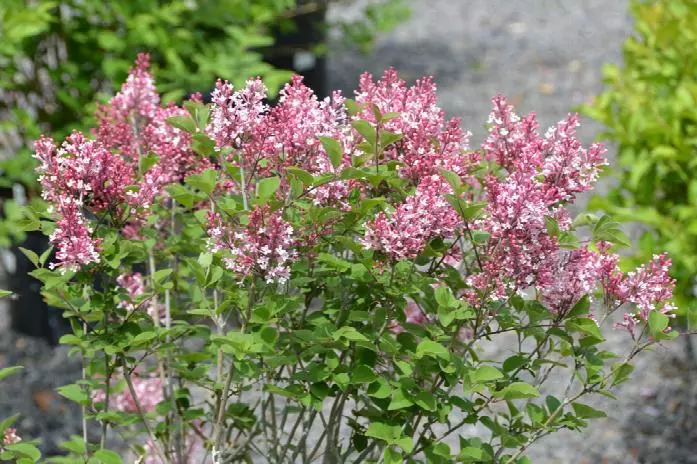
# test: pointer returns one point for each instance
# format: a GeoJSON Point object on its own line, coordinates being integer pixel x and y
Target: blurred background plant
{"type": "Point", "coordinates": [649, 108]}
{"type": "Point", "coordinates": [57, 57]}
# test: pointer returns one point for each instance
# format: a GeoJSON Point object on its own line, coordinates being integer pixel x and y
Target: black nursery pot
{"type": "Point", "coordinates": [295, 42]}
{"type": "Point", "coordinates": [30, 314]}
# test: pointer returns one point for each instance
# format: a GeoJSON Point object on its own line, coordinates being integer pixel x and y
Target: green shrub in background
{"type": "Point", "coordinates": [57, 57]}
{"type": "Point", "coordinates": [649, 107]}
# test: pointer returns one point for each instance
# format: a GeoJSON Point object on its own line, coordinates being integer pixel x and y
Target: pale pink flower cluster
{"type": "Point", "coordinates": [423, 216]}
{"type": "Point", "coordinates": [236, 114]}
{"type": "Point", "coordinates": [82, 175]}
{"type": "Point", "coordinates": [148, 391]}
{"type": "Point", "coordinates": [10, 437]}
{"type": "Point", "coordinates": [84, 178]}
{"type": "Point", "coordinates": [649, 287]}
{"type": "Point", "coordinates": [576, 273]}
{"type": "Point", "coordinates": [428, 141]}
{"type": "Point", "coordinates": [541, 175]}
{"type": "Point", "coordinates": [264, 247]}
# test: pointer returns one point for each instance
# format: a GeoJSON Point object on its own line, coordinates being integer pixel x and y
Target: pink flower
{"type": "Point", "coordinates": [650, 288]}
{"type": "Point", "coordinates": [568, 278]}
{"type": "Point", "coordinates": [422, 217]}
{"type": "Point", "coordinates": [264, 247]}
{"type": "Point", "coordinates": [72, 237]}
{"type": "Point", "coordinates": [428, 141]}
{"type": "Point", "coordinates": [10, 437]}
{"type": "Point", "coordinates": [236, 114]}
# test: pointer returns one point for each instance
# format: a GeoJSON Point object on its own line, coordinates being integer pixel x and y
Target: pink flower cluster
{"type": "Point", "coordinates": [103, 177]}
{"type": "Point", "coordinates": [81, 175]}
{"type": "Point", "coordinates": [527, 182]}
{"type": "Point", "coordinates": [148, 391]}
{"type": "Point", "coordinates": [264, 247]}
{"type": "Point", "coordinates": [649, 287]}
{"type": "Point", "coordinates": [428, 141]}
{"type": "Point", "coordinates": [540, 176]}
{"type": "Point", "coordinates": [422, 217]}
{"type": "Point", "coordinates": [10, 437]}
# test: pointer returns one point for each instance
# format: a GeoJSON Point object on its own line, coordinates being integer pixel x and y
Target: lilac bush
{"type": "Point", "coordinates": [314, 280]}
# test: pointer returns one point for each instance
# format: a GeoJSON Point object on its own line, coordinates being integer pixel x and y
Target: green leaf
{"type": "Point", "coordinates": [202, 144]}
{"type": "Point", "coordinates": [586, 326]}
{"type": "Point", "coordinates": [425, 400]}
{"type": "Point", "coordinates": [362, 374]}
{"type": "Point", "coordinates": [518, 390]}
{"type": "Point", "coordinates": [333, 149]}
{"type": "Point", "coordinates": [391, 434]}
{"type": "Point", "coordinates": [552, 404]}
{"type": "Point", "coordinates": [334, 262]}
{"type": "Point", "coordinates": [432, 349]}
{"type": "Point", "coordinates": [4, 293]}
{"type": "Point", "coordinates": [147, 161]}
{"type": "Point", "coordinates": [350, 334]}
{"type": "Point", "coordinates": [446, 315]}
{"type": "Point", "coordinates": [8, 371]}
{"type": "Point", "coordinates": [182, 195]}
{"type": "Point", "coordinates": [25, 449]}
{"type": "Point", "coordinates": [160, 275]}
{"type": "Point", "coordinates": [384, 432]}
{"type": "Point", "coordinates": [185, 123]}
{"type": "Point", "coordinates": [391, 456]}
{"type": "Point", "coordinates": [658, 323]}
{"type": "Point", "coordinates": [399, 401]}
{"type": "Point", "coordinates": [452, 178]}
{"type": "Point", "coordinates": [387, 138]}
{"type": "Point", "coordinates": [300, 174]}
{"type": "Point", "coordinates": [367, 130]}
{"type": "Point", "coordinates": [379, 389]}
{"type": "Point", "coordinates": [267, 187]}
{"type": "Point", "coordinates": [31, 256]}
{"type": "Point", "coordinates": [587, 412]}
{"type": "Point", "coordinates": [144, 337]}
{"type": "Point", "coordinates": [204, 181]}
{"type": "Point", "coordinates": [107, 457]}
{"type": "Point", "coordinates": [621, 372]}
{"type": "Point", "coordinates": [468, 211]}
{"type": "Point", "coordinates": [74, 392]}
{"type": "Point", "coordinates": [486, 374]}
{"type": "Point", "coordinates": [444, 297]}
{"type": "Point", "coordinates": [581, 308]}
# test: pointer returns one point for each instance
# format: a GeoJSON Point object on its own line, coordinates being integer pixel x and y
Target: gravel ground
{"type": "Point", "coordinates": [545, 55]}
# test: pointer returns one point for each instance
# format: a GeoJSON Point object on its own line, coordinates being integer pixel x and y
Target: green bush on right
{"type": "Point", "coordinates": [649, 108]}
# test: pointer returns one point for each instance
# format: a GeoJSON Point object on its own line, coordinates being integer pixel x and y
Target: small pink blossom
{"type": "Point", "coordinates": [10, 437]}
